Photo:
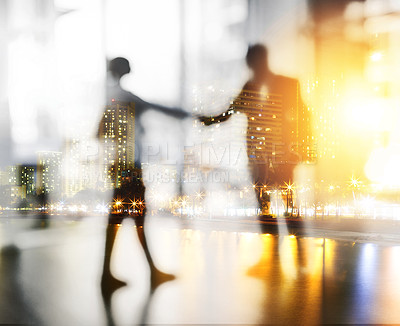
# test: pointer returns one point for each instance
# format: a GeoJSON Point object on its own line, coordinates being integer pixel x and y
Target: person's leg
{"type": "Point", "coordinates": [254, 168]}
{"type": "Point", "coordinates": [156, 276]}
{"type": "Point", "coordinates": [109, 283]}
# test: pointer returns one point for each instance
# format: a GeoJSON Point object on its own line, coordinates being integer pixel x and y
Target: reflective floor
{"type": "Point", "coordinates": [53, 278]}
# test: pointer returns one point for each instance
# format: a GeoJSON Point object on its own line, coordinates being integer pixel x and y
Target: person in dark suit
{"type": "Point", "coordinates": [271, 158]}
{"type": "Point", "coordinates": [134, 187]}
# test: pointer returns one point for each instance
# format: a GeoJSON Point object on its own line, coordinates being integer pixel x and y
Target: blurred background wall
{"type": "Point", "coordinates": [53, 69]}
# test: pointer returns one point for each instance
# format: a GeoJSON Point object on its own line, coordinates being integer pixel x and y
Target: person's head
{"type": "Point", "coordinates": [257, 59]}
{"type": "Point", "coordinates": [119, 67]}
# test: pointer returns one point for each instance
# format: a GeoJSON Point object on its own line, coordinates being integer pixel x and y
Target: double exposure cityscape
{"type": "Point", "coordinates": [199, 162]}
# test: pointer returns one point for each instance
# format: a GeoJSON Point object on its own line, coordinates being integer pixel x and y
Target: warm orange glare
{"type": "Point", "coordinates": [364, 113]}
{"type": "Point", "coordinates": [288, 257]}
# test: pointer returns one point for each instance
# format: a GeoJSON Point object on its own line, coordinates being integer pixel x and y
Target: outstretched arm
{"type": "Point", "coordinates": [228, 113]}
{"type": "Point", "coordinates": [173, 112]}
{"type": "Point", "coordinates": [216, 119]}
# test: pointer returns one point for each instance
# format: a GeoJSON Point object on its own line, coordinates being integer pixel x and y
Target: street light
{"type": "Point", "coordinates": [137, 203]}
{"type": "Point", "coordinates": [118, 202]}
{"type": "Point", "coordinates": [289, 187]}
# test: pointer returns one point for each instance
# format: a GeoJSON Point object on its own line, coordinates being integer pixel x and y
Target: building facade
{"type": "Point", "coordinates": [26, 178]}
{"type": "Point", "coordinates": [49, 172]}
{"type": "Point", "coordinates": [117, 136]}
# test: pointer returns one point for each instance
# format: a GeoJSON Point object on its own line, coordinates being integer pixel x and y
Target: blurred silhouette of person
{"type": "Point", "coordinates": [17, 309]}
{"type": "Point", "coordinates": [267, 165]}
{"type": "Point", "coordinates": [135, 188]}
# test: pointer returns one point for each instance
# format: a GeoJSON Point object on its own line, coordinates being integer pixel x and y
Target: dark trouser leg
{"type": "Point", "coordinates": [260, 177]}
{"type": "Point", "coordinates": [139, 221]}
{"type": "Point", "coordinates": [156, 276]}
{"type": "Point", "coordinates": [108, 282]}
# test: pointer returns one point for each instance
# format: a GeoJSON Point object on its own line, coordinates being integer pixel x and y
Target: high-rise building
{"type": "Point", "coordinates": [49, 172]}
{"type": "Point", "coordinates": [10, 192]}
{"type": "Point", "coordinates": [73, 174]}
{"type": "Point", "coordinates": [264, 135]}
{"type": "Point", "coordinates": [279, 126]}
{"type": "Point", "coordinates": [26, 178]}
{"type": "Point", "coordinates": [80, 169]}
{"type": "Point", "coordinates": [11, 175]}
{"type": "Point", "coordinates": [117, 134]}
{"type": "Point", "coordinates": [279, 130]}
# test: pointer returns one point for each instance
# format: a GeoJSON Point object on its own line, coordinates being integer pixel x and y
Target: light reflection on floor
{"type": "Point", "coordinates": [222, 277]}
